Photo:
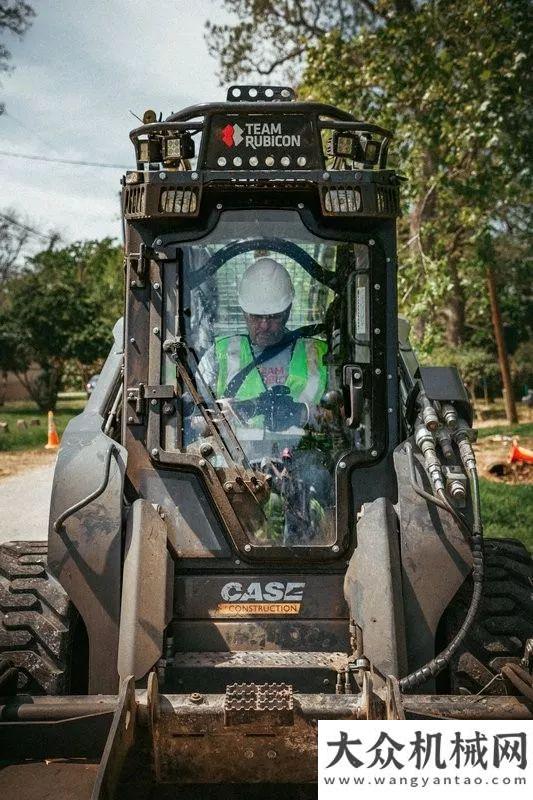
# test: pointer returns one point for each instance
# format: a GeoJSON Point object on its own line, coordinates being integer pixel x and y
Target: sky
{"type": "Point", "coordinates": [77, 73]}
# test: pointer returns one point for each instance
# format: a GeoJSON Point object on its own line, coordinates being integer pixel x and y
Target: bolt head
{"type": "Point", "coordinates": [335, 548]}
{"type": "Point", "coordinates": [162, 175]}
{"type": "Point", "coordinates": [377, 371]}
{"type": "Point", "coordinates": [194, 176]}
{"type": "Point", "coordinates": [377, 286]}
{"type": "Point", "coordinates": [153, 402]}
{"type": "Point", "coordinates": [301, 205]}
{"type": "Point", "coordinates": [159, 241]}
{"type": "Point", "coordinates": [371, 242]}
{"type": "Point", "coordinates": [206, 449]}
{"type": "Point", "coordinates": [155, 330]}
{"type": "Point", "coordinates": [133, 284]}
{"type": "Point", "coordinates": [155, 452]}
{"type": "Point", "coordinates": [130, 420]}
{"type": "Point", "coordinates": [202, 462]}
{"type": "Point", "coordinates": [342, 464]}
{"type": "Point", "coordinates": [228, 486]}
{"type": "Point", "coordinates": [377, 331]}
{"type": "Point", "coordinates": [219, 206]}
{"type": "Point", "coordinates": [132, 339]}
{"type": "Point", "coordinates": [271, 754]}
{"type": "Point", "coordinates": [248, 753]}
{"type": "Point", "coordinates": [373, 453]}
{"type": "Point", "coordinates": [248, 548]}
{"type": "Point", "coordinates": [157, 286]}
{"type": "Point", "coordinates": [325, 176]}
{"type": "Point", "coordinates": [196, 697]}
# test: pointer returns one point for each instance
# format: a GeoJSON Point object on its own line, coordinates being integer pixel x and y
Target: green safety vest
{"type": "Point", "coordinates": [307, 378]}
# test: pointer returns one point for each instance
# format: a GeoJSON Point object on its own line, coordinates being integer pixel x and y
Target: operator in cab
{"type": "Point", "coordinates": [273, 379]}
{"type": "Point", "coordinates": [244, 367]}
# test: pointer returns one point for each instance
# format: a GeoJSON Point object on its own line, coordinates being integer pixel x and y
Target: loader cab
{"type": "Point", "coordinates": [284, 445]}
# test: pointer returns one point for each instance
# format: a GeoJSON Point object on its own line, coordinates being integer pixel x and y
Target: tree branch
{"type": "Point", "coordinates": [278, 62]}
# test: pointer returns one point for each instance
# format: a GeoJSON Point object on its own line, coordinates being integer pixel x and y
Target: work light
{"type": "Point", "coordinates": [149, 150]}
{"type": "Point", "coordinates": [178, 148]}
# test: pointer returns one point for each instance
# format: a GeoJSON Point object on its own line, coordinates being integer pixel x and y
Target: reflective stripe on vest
{"type": "Point", "coordinates": [307, 378]}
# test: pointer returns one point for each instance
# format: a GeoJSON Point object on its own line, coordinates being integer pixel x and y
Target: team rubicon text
{"type": "Point", "coordinates": [259, 134]}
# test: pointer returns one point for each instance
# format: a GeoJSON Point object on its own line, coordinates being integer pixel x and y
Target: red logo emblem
{"type": "Point", "coordinates": [227, 135]}
{"type": "Point", "coordinates": [232, 135]}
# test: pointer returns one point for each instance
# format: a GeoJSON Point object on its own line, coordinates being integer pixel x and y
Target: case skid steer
{"type": "Point", "coordinates": [238, 549]}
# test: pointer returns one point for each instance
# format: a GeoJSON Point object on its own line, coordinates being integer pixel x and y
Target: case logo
{"type": "Point", "coordinates": [274, 597]}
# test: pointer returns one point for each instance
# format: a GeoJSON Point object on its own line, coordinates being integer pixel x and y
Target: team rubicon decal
{"type": "Point", "coordinates": [258, 134]}
{"type": "Point", "coordinates": [274, 597]}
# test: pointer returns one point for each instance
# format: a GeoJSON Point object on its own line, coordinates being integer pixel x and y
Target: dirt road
{"type": "Point", "coordinates": [25, 500]}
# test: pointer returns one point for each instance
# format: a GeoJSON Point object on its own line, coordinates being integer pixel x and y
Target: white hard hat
{"type": "Point", "coordinates": [265, 288]}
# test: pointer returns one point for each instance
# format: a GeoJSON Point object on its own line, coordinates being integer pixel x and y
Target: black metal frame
{"type": "Point", "coordinates": [160, 233]}
{"type": "Point", "coordinates": [350, 460]}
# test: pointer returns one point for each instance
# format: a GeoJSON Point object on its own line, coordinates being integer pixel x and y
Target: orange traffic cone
{"type": "Point", "coordinates": [518, 453]}
{"type": "Point", "coordinates": [53, 438]}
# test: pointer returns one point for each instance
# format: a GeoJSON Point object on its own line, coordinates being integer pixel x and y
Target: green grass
{"type": "Point", "coordinates": [33, 438]}
{"type": "Point", "coordinates": [522, 429]}
{"type": "Point", "coordinates": [507, 511]}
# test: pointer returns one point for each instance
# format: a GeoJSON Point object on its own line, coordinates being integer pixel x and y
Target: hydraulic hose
{"type": "Point", "coordinates": [440, 662]}
{"type": "Point", "coordinates": [422, 492]}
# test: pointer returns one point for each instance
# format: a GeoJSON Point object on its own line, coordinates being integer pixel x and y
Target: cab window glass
{"type": "Point", "coordinates": [271, 315]}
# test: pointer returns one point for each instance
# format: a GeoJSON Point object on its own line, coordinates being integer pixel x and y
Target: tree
{"type": "Point", "coordinates": [13, 238]}
{"type": "Point", "coordinates": [275, 36]}
{"type": "Point", "coordinates": [17, 238]}
{"type": "Point", "coordinates": [61, 308]}
{"type": "Point", "coordinates": [451, 78]}
{"type": "Point", "coordinates": [16, 17]}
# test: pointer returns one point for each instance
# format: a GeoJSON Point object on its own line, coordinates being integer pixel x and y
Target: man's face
{"type": "Point", "coordinates": [267, 329]}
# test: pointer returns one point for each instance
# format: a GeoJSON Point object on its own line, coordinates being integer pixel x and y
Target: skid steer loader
{"type": "Point", "coordinates": [238, 549]}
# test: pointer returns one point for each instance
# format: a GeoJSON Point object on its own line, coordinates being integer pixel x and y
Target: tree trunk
{"type": "Point", "coordinates": [510, 406]}
{"type": "Point", "coordinates": [454, 310]}
{"type": "Point", "coordinates": [424, 209]}
{"type": "Point", "coordinates": [43, 389]}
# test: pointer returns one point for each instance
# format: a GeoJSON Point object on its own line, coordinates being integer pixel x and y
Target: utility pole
{"type": "Point", "coordinates": [510, 405]}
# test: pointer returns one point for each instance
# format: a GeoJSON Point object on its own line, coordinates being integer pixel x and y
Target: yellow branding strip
{"type": "Point", "coordinates": [245, 609]}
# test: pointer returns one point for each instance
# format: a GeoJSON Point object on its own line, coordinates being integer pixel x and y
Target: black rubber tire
{"type": "Point", "coordinates": [504, 623]}
{"type": "Point", "coordinates": [36, 620]}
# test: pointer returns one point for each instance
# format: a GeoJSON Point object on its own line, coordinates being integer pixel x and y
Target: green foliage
{"type": "Point", "coordinates": [61, 307]}
{"type": "Point", "coordinates": [507, 511]}
{"type": "Point", "coordinates": [460, 115]}
{"type": "Point", "coordinates": [521, 429]}
{"type": "Point", "coordinates": [522, 364]}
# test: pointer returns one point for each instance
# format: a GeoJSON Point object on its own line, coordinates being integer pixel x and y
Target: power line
{"type": "Point", "coordinates": [33, 132]}
{"type": "Point", "coordinates": [27, 228]}
{"type": "Point", "coordinates": [62, 160]}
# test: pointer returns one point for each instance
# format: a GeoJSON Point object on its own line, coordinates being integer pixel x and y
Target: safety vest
{"type": "Point", "coordinates": [307, 377]}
